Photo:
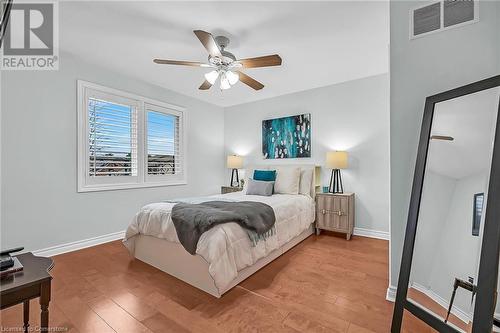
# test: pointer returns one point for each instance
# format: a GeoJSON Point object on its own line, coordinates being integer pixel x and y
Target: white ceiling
{"type": "Point", "coordinates": [470, 120]}
{"type": "Point", "coordinates": [321, 43]}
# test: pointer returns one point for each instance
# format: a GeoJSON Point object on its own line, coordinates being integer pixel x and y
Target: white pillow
{"type": "Point", "coordinates": [287, 180]}
{"type": "Point", "coordinates": [306, 177]}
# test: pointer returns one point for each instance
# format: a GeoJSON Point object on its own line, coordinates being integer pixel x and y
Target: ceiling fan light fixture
{"type": "Point", "coordinates": [224, 82]}
{"type": "Point", "coordinates": [232, 77]}
{"type": "Point", "coordinates": [212, 76]}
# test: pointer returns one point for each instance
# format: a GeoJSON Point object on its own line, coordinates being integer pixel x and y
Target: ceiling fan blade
{"type": "Point", "coordinates": [180, 62]}
{"type": "Point", "coordinates": [205, 85]}
{"type": "Point", "coordinates": [208, 42]}
{"type": "Point", "coordinates": [265, 61]}
{"type": "Point", "coordinates": [252, 83]}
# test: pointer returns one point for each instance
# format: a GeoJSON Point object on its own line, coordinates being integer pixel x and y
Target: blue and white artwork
{"type": "Point", "coordinates": [287, 137]}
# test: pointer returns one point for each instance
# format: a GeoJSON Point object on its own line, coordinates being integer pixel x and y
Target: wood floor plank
{"type": "Point", "coordinates": [81, 315]}
{"type": "Point", "coordinates": [353, 328]}
{"type": "Point", "coordinates": [116, 317]}
{"type": "Point", "coordinates": [160, 323]}
{"type": "Point", "coordinates": [302, 323]}
{"type": "Point", "coordinates": [189, 320]}
{"type": "Point", "coordinates": [136, 307]}
{"type": "Point", "coordinates": [325, 284]}
{"type": "Point", "coordinates": [241, 308]}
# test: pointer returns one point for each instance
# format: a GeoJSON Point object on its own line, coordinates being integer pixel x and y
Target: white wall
{"type": "Point", "coordinates": [436, 200]}
{"type": "Point", "coordinates": [352, 116]}
{"type": "Point", "coordinates": [420, 68]}
{"type": "Point", "coordinates": [445, 247]}
{"type": "Point", "coordinates": [458, 252]}
{"type": "Point", "coordinates": [40, 203]}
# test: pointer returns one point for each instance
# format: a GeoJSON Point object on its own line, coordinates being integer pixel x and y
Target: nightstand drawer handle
{"type": "Point", "coordinates": [336, 212]}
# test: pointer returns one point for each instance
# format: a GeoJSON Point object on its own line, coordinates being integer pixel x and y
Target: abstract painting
{"type": "Point", "coordinates": [287, 137]}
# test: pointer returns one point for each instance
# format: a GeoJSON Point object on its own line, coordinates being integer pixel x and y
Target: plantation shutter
{"type": "Point", "coordinates": [164, 143]}
{"type": "Point", "coordinates": [112, 139]}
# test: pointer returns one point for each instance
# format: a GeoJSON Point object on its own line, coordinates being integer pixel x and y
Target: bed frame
{"type": "Point", "coordinates": [194, 269]}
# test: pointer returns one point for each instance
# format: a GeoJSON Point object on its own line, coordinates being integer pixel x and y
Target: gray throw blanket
{"type": "Point", "coordinates": [192, 220]}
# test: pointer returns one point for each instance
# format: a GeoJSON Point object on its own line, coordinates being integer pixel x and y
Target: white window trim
{"type": "Point", "coordinates": [142, 180]}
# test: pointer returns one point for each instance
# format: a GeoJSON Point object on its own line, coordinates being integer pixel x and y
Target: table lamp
{"type": "Point", "coordinates": [336, 160]}
{"type": "Point", "coordinates": [234, 162]}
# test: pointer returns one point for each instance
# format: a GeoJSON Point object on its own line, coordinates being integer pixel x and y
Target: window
{"type": "Point", "coordinates": [127, 141]}
{"type": "Point", "coordinates": [477, 213]}
{"type": "Point", "coordinates": [163, 138]}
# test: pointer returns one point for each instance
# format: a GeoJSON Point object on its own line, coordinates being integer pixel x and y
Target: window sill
{"type": "Point", "coordinates": [114, 187]}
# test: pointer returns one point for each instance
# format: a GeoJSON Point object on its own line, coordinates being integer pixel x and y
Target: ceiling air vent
{"type": "Point", "coordinates": [442, 15]}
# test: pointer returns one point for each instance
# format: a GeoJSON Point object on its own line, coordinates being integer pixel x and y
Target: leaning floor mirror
{"type": "Point", "coordinates": [449, 270]}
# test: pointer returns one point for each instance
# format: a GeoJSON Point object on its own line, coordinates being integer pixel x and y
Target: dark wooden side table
{"type": "Point", "coordinates": [32, 282]}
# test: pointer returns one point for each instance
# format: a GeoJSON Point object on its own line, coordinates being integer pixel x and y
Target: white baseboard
{"type": "Point", "coordinates": [461, 314]}
{"type": "Point", "coordinates": [78, 245]}
{"type": "Point", "coordinates": [391, 294]}
{"type": "Point", "coordinates": [372, 233]}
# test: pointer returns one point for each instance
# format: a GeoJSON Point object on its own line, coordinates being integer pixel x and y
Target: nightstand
{"type": "Point", "coordinates": [229, 189]}
{"type": "Point", "coordinates": [335, 212]}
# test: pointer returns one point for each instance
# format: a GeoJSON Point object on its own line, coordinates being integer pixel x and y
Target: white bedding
{"type": "Point", "coordinates": [226, 247]}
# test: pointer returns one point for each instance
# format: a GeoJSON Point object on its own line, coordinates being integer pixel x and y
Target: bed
{"type": "Point", "coordinates": [225, 256]}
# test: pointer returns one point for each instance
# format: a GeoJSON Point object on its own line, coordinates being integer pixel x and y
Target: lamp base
{"type": "Point", "coordinates": [233, 184]}
{"type": "Point", "coordinates": [336, 182]}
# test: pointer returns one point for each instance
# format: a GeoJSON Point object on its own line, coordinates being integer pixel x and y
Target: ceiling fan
{"type": "Point", "coordinates": [225, 66]}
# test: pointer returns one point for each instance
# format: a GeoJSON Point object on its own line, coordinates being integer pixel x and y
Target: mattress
{"type": "Point", "coordinates": [226, 248]}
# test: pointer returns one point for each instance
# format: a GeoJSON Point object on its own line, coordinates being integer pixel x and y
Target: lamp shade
{"type": "Point", "coordinates": [212, 76]}
{"type": "Point", "coordinates": [336, 160]}
{"type": "Point", "coordinates": [234, 162]}
{"type": "Point", "coordinates": [224, 82]}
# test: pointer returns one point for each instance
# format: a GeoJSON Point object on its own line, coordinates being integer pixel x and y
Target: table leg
{"type": "Point", "coordinates": [26, 315]}
{"type": "Point", "coordinates": [44, 305]}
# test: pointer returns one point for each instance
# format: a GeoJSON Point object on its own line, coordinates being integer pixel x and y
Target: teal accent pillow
{"type": "Point", "coordinates": [265, 175]}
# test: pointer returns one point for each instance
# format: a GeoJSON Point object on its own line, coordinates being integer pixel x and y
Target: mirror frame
{"type": "Point", "coordinates": [488, 265]}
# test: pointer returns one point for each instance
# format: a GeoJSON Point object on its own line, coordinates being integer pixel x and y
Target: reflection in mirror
{"type": "Point", "coordinates": [449, 233]}
{"type": "Point", "coordinates": [414, 324]}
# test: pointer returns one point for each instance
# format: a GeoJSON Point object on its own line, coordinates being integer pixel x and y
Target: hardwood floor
{"type": "Point", "coordinates": [325, 284]}
{"type": "Point", "coordinates": [433, 306]}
